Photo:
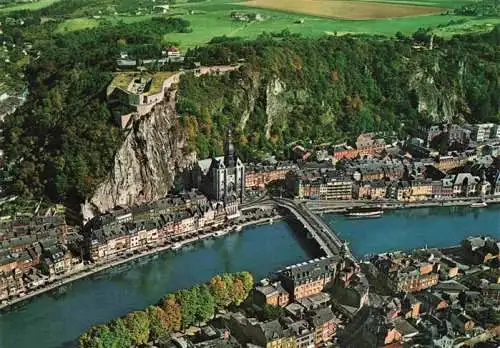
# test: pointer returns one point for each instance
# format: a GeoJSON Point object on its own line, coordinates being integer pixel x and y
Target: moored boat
{"type": "Point", "coordinates": [364, 212]}
{"type": "Point", "coordinates": [479, 205]}
{"type": "Point", "coordinates": [176, 246]}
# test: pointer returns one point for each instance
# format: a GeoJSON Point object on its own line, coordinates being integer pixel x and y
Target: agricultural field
{"type": "Point", "coordinates": [35, 5]}
{"type": "Point", "coordinates": [341, 9]}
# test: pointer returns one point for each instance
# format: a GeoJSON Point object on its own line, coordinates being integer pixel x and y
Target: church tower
{"type": "Point", "coordinates": [229, 156]}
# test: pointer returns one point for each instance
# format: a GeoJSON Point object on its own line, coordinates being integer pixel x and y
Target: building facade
{"type": "Point", "coordinates": [222, 178]}
{"type": "Point", "coordinates": [309, 278]}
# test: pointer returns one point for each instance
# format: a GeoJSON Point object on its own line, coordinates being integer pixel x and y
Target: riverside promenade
{"type": "Point", "coordinates": [323, 206]}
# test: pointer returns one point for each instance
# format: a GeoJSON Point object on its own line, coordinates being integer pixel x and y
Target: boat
{"type": "Point", "coordinates": [271, 221]}
{"type": "Point", "coordinates": [364, 212]}
{"type": "Point", "coordinates": [479, 204]}
{"type": "Point", "coordinates": [237, 228]}
{"type": "Point", "coordinates": [176, 246]}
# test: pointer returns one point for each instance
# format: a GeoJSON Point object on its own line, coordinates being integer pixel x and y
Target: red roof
{"type": "Point", "coordinates": [172, 49]}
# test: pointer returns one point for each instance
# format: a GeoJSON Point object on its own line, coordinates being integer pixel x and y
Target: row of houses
{"type": "Point", "coordinates": [367, 144]}
{"type": "Point", "coordinates": [33, 267]}
{"type": "Point", "coordinates": [260, 175]}
{"type": "Point", "coordinates": [106, 241]}
{"type": "Point", "coordinates": [335, 186]}
{"type": "Point", "coordinates": [18, 231]}
{"type": "Point", "coordinates": [331, 185]}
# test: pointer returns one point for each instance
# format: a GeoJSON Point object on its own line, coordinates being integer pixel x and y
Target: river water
{"type": "Point", "coordinates": [56, 319]}
{"type": "Point", "coordinates": [416, 228]}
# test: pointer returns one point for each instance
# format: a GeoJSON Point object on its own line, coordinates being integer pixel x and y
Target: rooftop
{"type": "Point", "coordinates": [150, 83]}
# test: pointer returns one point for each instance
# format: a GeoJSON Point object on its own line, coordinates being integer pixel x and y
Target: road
{"type": "Point", "coordinates": [328, 240]}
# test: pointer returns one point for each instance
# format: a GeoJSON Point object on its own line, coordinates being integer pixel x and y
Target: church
{"type": "Point", "coordinates": [222, 178]}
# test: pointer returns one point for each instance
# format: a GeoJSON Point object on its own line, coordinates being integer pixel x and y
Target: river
{"type": "Point", "coordinates": [56, 319]}
{"type": "Point", "coordinates": [416, 228]}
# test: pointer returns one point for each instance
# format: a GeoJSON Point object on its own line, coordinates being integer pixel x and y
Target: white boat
{"type": "Point", "coordinates": [271, 221]}
{"type": "Point", "coordinates": [479, 205]}
{"type": "Point", "coordinates": [359, 213]}
{"type": "Point", "coordinates": [237, 228]}
{"type": "Point", "coordinates": [176, 246]}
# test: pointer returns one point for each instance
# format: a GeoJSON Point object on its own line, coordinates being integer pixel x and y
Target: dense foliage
{"type": "Point", "coordinates": [484, 8]}
{"type": "Point", "coordinates": [61, 143]}
{"type": "Point", "coordinates": [176, 311]}
{"type": "Point", "coordinates": [334, 88]}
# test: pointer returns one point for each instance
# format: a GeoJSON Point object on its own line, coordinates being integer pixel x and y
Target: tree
{"type": "Point", "coordinates": [187, 299]}
{"type": "Point", "coordinates": [247, 280]}
{"type": "Point", "coordinates": [122, 333]}
{"type": "Point", "coordinates": [239, 294]}
{"type": "Point", "coordinates": [205, 308]}
{"type": "Point", "coordinates": [172, 311]}
{"type": "Point", "coordinates": [138, 325]}
{"type": "Point", "coordinates": [158, 322]}
{"type": "Point", "coordinates": [98, 337]}
{"type": "Point", "coordinates": [220, 292]}
{"type": "Point", "coordinates": [271, 312]}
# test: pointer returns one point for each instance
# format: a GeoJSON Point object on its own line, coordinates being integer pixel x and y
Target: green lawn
{"type": "Point", "coordinates": [471, 26]}
{"type": "Point", "coordinates": [27, 6]}
{"type": "Point", "coordinates": [207, 25]}
{"type": "Point", "coordinates": [77, 24]}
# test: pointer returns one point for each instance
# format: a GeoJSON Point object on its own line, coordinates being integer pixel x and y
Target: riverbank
{"type": "Point", "coordinates": [94, 268]}
{"type": "Point", "coordinates": [333, 207]}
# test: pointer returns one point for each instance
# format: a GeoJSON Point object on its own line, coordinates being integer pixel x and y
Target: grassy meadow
{"type": "Point", "coordinates": [36, 5]}
{"type": "Point", "coordinates": [310, 18]}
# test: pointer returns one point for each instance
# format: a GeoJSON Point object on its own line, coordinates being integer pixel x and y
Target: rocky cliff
{"type": "Point", "coordinates": [153, 153]}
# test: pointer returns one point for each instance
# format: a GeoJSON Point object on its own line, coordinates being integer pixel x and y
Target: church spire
{"type": "Point", "coordinates": [229, 156]}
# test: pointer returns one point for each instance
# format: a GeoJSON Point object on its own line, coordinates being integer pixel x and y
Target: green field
{"type": "Point", "coordinates": [77, 24]}
{"type": "Point", "coordinates": [213, 18]}
{"type": "Point", "coordinates": [27, 6]}
{"type": "Point", "coordinates": [81, 23]}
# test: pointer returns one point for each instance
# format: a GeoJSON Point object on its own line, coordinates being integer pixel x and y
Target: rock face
{"type": "Point", "coordinates": [145, 167]}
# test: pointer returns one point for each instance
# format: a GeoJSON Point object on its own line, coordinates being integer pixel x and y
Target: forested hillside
{"type": "Point", "coordinates": [334, 88]}
{"type": "Point", "coordinates": [62, 142]}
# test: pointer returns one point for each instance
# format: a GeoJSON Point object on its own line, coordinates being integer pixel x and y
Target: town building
{"type": "Point", "coordinates": [258, 176]}
{"type": "Point", "coordinates": [268, 334]}
{"type": "Point", "coordinates": [309, 278]}
{"type": "Point", "coordinates": [222, 178]}
{"type": "Point", "coordinates": [403, 273]}
{"type": "Point", "coordinates": [482, 131]}
{"type": "Point", "coordinates": [132, 95]}
{"type": "Point", "coordinates": [465, 184]}
{"type": "Point", "coordinates": [271, 294]}
{"type": "Point", "coordinates": [375, 190]}
{"type": "Point", "coordinates": [304, 335]}
{"type": "Point", "coordinates": [327, 186]}
{"type": "Point", "coordinates": [481, 250]}
{"type": "Point", "coordinates": [449, 162]}
{"type": "Point", "coordinates": [324, 323]}
{"type": "Point", "coordinates": [370, 141]}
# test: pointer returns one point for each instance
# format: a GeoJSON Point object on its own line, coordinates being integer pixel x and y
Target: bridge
{"type": "Point", "coordinates": [327, 239]}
